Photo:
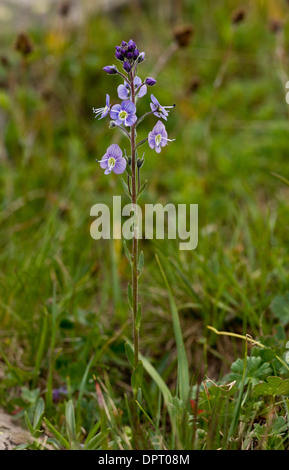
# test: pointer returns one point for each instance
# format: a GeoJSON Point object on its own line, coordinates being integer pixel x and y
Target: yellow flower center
{"type": "Point", "coordinates": [122, 115]}
{"type": "Point", "coordinates": [158, 139]}
{"type": "Point", "coordinates": [111, 162]}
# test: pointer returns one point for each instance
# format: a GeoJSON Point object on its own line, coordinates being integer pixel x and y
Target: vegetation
{"type": "Point", "coordinates": [214, 330]}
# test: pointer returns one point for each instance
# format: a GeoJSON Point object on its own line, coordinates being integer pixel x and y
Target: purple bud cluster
{"type": "Point", "coordinates": [128, 53]}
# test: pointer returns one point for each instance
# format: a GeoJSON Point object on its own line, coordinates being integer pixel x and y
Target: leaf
{"type": "Point", "coordinates": [28, 423]}
{"type": "Point", "coordinates": [142, 188]}
{"type": "Point", "coordinates": [127, 253]}
{"type": "Point", "coordinates": [256, 370]}
{"type": "Point", "coordinates": [125, 188]}
{"type": "Point", "coordinates": [137, 376]}
{"type": "Point", "coordinates": [138, 316]}
{"type": "Point", "coordinates": [130, 353]}
{"type": "Point", "coordinates": [129, 295]}
{"type": "Point", "coordinates": [128, 170]}
{"type": "Point", "coordinates": [183, 367]}
{"type": "Point", "coordinates": [70, 420]}
{"type": "Point", "coordinates": [38, 415]}
{"type": "Point", "coordinates": [57, 434]}
{"type": "Point", "coordinates": [167, 396]}
{"type": "Point", "coordinates": [140, 264]}
{"type": "Point", "coordinates": [280, 308]}
{"type": "Point", "coordinates": [273, 386]}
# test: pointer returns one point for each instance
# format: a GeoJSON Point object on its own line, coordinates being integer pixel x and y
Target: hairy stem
{"type": "Point", "coordinates": [135, 239]}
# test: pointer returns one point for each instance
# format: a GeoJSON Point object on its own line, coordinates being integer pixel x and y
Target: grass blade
{"type": "Point", "coordinates": [183, 367]}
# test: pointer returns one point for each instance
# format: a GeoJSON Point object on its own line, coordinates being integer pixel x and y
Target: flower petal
{"type": "Point", "coordinates": [155, 101]}
{"type": "Point", "coordinates": [130, 120]}
{"type": "Point", "coordinates": [142, 91]}
{"type": "Point", "coordinates": [122, 92]}
{"type": "Point", "coordinates": [120, 166]}
{"type": "Point", "coordinates": [128, 106]}
{"type": "Point", "coordinates": [114, 151]}
{"type": "Point", "coordinates": [151, 140]}
{"type": "Point", "coordinates": [137, 82]}
{"type": "Point", "coordinates": [103, 162]}
{"type": "Point", "coordinates": [159, 128]}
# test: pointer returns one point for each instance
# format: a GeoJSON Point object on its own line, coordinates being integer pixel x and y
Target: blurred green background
{"type": "Point", "coordinates": [63, 294]}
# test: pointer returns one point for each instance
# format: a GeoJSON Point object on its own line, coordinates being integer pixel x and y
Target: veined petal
{"type": "Point", "coordinates": [155, 101]}
{"type": "Point", "coordinates": [159, 128]}
{"type": "Point", "coordinates": [128, 106]}
{"type": "Point", "coordinates": [158, 149]}
{"type": "Point", "coordinates": [142, 91]}
{"type": "Point", "coordinates": [103, 161]}
{"type": "Point", "coordinates": [120, 166]}
{"type": "Point", "coordinates": [122, 92]}
{"type": "Point", "coordinates": [137, 82]}
{"type": "Point", "coordinates": [130, 120]}
{"type": "Point", "coordinates": [104, 112]}
{"type": "Point", "coordinates": [114, 112]}
{"type": "Point", "coordinates": [114, 151]}
{"type": "Point", "coordinates": [107, 101]}
{"type": "Point", "coordinates": [151, 140]}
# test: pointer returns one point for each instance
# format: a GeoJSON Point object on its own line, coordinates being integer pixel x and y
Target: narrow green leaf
{"type": "Point", "coordinates": [128, 170]}
{"type": "Point", "coordinates": [41, 347]}
{"type": "Point", "coordinates": [138, 316]}
{"type": "Point", "coordinates": [142, 188]}
{"type": "Point", "coordinates": [64, 442]}
{"type": "Point", "coordinates": [129, 353]}
{"type": "Point", "coordinates": [127, 253]}
{"type": "Point", "coordinates": [38, 415]}
{"type": "Point", "coordinates": [28, 423]}
{"type": "Point", "coordinates": [137, 377]}
{"type": "Point", "coordinates": [167, 396]}
{"type": "Point", "coordinates": [129, 295]}
{"type": "Point", "coordinates": [125, 188]}
{"type": "Point", "coordinates": [183, 368]}
{"type": "Point", "coordinates": [83, 384]}
{"type": "Point", "coordinates": [95, 442]}
{"type": "Point", "coordinates": [93, 432]}
{"type": "Point", "coordinates": [140, 264]}
{"type": "Point", "coordinates": [70, 420]}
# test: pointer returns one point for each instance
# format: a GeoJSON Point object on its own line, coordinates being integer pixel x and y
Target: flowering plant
{"type": "Point", "coordinates": [124, 117]}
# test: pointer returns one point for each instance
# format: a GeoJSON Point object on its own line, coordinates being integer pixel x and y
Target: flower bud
{"type": "Point", "coordinates": [135, 54]}
{"type": "Point", "coordinates": [150, 81]}
{"type": "Point", "coordinates": [127, 66]}
{"type": "Point", "coordinates": [140, 162]}
{"type": "Point", "coordinates": [141, 57]}
{"type": "Point", "coordinates": [110, 69]}
{"type": "Point", "coordinates": [119, 55]}
{"type": "Point", "coordinates": [131, 45]}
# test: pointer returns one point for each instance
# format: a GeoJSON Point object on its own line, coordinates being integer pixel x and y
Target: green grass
{"type": "Point", "coordinates": [64, 317]}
